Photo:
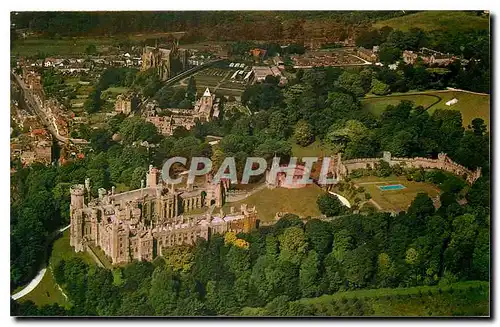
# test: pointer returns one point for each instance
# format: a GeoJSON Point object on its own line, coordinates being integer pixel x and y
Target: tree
{"type": "Point", "coordinates": [134, 129]}
{"type": "Point", "coordinates": [91, 49]}
{"type": "Point", "coordinates": [459, 254]}
{"type": "Point", "coordinates": [191, 89]}
{"type": "Point", "coordinates": [379, 88]}
{"type": "Point", "coordinates": [389, 53]}
{"type": "Point", "coordinates": [100, 139]}
{"type": "Point", "coordinates": [293, 245]}
{"type": "Point", "coordinates": [421, 208]}
{"type": "Point", "coordinates": [93, 102]}
{"type": "Point", "coordinates": [309, 275]}
{"type": "Point", "coordinates": [319, 236]}
{"type": "Point", "coordinates": [330, 205]}
{"type": "Point", "coordinates": [303, 133]}
{"type": "Point", "coordinates": [163, 294]}
{"type": "Point", "coordinates": [358, 266]}
{"type": "Point", "coordinates": [238, 260]}
{"type": "Point", "coordinates": [351, 83]}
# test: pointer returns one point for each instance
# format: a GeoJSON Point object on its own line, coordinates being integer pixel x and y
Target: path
{"type": "Point", "coordinates": [342, 199]}
{"type": "Point", "coordinates": [465, 91]}
{"type": "Point", "coordinates": [238, 197]}
{"type": "Point", "coordinates": [38, 278]}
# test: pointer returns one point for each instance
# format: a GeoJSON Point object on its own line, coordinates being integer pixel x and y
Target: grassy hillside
{"type": "Point", "coordinates": [460, 299]}
{"type": "Point", "coordinates": [438, 20]}
{"type": "Point", "coordinates": [47, 292]}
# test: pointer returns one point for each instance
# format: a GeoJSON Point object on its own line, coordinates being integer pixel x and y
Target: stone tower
{"type": "Point", "coordinates": [76, 218]}
{"type": "Point", "coordinates": [152, 177]}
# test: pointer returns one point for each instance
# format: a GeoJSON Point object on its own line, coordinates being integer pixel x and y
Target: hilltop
{"type": "Point", "coordinates": [438, 20]}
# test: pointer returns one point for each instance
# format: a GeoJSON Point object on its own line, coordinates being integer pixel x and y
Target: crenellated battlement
{"type": "Point", "coordinates": [343, 168]}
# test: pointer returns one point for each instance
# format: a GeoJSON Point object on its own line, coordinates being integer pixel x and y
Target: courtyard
{"type": "Point", "coordinates": [394, 193]}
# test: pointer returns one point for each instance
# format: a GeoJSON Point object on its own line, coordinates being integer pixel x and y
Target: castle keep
{"type": "Point", "coordinates": [140, 223]}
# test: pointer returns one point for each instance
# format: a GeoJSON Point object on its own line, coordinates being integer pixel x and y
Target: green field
{"type": "Point", "coordinates": [116, 90]}
{"type": "Point", "coordinates": [60, 47]}
{"type": "Point", "coordinates": [61, 250]}
{"type": "Point", "coordinates": [47, 291]}
{"type": "Point", "coordinates": [395, 200]}
{"type": "Point", "coordinates": [377, 105]}
{"type": "Point", "coordinates": [268, 202]}
{"type": "Point", "coordinates": [470, 298]}
{"type": "Point", "coordinates": [470, 105]}
{"type": "Point", "coordinates": [437, 20]}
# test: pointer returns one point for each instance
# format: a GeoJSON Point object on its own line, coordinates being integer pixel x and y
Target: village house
{"type": "Point", "coordinates": [366, 54]}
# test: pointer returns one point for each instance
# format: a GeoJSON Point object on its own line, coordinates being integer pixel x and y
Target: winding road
{"type": "Point", "coordinates": [36, 104]}
{"type": "Point", "coordinates": [38, 278]}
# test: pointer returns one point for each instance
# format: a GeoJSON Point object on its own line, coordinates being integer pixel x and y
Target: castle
{"type": "Point", "coordinates": [139, 224]}
{"type": "Point", "coordinates": [167, 62]}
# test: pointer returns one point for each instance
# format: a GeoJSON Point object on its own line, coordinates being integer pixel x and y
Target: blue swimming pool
{"type": "Point", "coordinates": [391, 187]}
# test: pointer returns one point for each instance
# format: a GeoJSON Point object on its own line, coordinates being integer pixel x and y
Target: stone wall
{"type": "Point", "coordinates": [342, 168]}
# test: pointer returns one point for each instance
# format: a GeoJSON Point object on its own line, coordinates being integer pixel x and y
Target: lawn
{"type": "Point", "coordinates": [470, 105]}
{"type": "Point", "coordinates": [101, 256]}
{"type": "Point", "coordinates": [315, 149]}
{"type": "Point", "coordinates": [116, 90]}
{"type": "Point", "coordinates": [377, 105]}
{"type": "Point", "coordinates": [61, 250]}
{"type": "Point", "coordinates": [268, 202]}
{"type": "Point", "coordinates": [46, 292]}
{"type": "Point", "coordinates": [395, 200]}
{"type": "Point", "coordinates": [438, 20]}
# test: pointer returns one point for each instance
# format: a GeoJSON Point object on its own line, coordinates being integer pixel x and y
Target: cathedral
{"type": "Point", "coordinates": [167, 62]}
{"type": "Point", "coordinates": [138, 224]}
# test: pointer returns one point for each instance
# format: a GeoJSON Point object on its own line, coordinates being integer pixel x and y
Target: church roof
{"type": "Point", "coordinates": [207, 93]}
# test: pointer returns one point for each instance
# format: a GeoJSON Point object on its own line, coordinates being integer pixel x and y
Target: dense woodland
{"type": "Point", "coordinates": [202, 25]}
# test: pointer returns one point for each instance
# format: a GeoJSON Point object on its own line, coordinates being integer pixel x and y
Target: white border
{"type": "Point", "coordinates": [28, 5]}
